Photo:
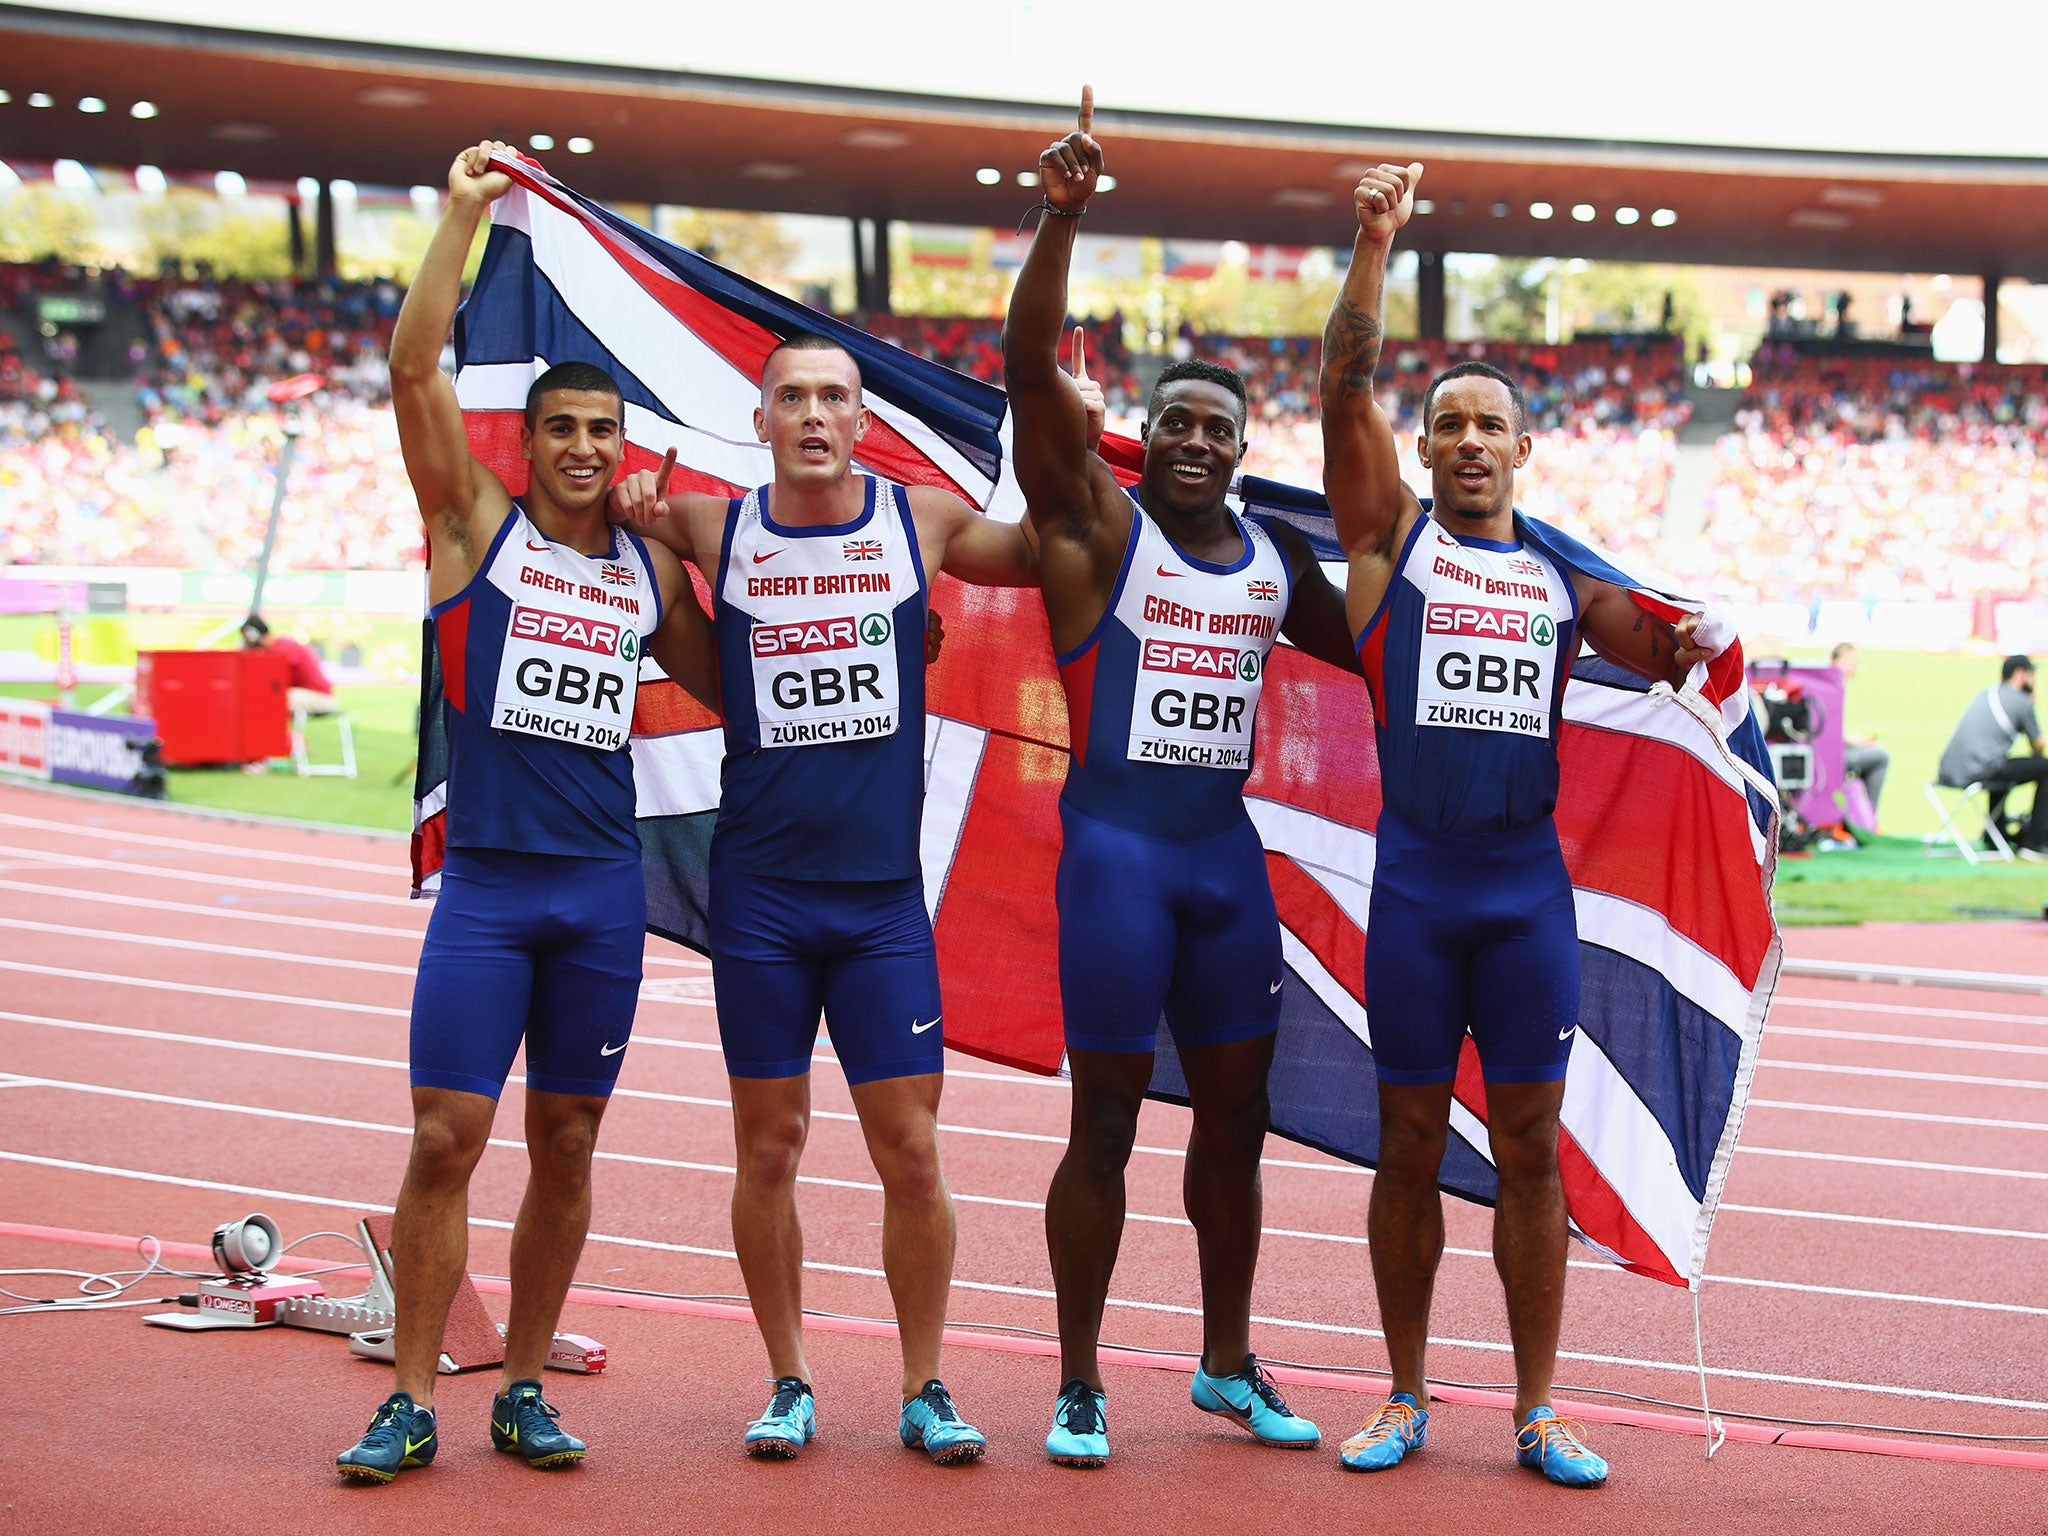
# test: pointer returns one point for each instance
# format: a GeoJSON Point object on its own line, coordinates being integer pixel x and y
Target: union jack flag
{"type": "Point", "coordinates": [618, 575]}
{"type": "Point", "coordinates": [1264, 591]}
{"type": "Point", "coordinates": [1672, 885]}
{"type": "Point", "coordinates": [862, 549]}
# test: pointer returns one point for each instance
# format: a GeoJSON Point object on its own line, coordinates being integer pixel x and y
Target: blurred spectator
{"type": "Point", "coordinates": [1862, 757]}
{"type": "Point", "coordinates": [308, 691]}
{"type": "Point", "coordinates": [1977, 753]}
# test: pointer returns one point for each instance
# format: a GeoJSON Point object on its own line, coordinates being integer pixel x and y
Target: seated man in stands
{"type": "Point", "coordinates": [309, 692]}
{"type": "Point", "coordinates": [1862, 757]}
{"type": "Point", "coordinates": [1976, 754]}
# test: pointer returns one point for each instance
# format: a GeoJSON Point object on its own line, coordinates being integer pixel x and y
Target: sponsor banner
{"type": "Point", "coordinates": [283, 589]}
{"type": "Point", "coordinates": [25, 737]}
{"type": "Point", "coordinates": [105, 752]}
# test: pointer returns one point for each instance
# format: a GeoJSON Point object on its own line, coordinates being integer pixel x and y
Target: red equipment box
{"type": "Point", "coordinates": [216, 706]}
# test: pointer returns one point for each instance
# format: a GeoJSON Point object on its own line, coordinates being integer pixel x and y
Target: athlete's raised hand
{"type": "Point", "coordinates": [1385, 199]}
{"type": "Point", "coordinates": [1069, 167]}
{"type": "Point", "coordinates": [640, 497]}
{"type": "Point", "coordinates": [1093, 400]}
{"type": "Point", "coordinates": [472, 177]}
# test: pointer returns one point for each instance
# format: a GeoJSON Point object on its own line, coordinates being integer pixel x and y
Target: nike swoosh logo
{"type": "Point", "coordinates": [1274, 988]}
{"type": "Point", "coordinates": [769, 556]}
{"type": "Point", "coordinates": [611, 1050]}
{"type": "Point", "coordinates": [1566, 1034]}
{"type": "Point", "coordinates": [542, 548]}
{"type": "Point", "coordinates": [412, 1445]}
{"type": "Point", "coordinates": [918, 1029]}
{"type": "Point", "coordinates": [1165, 572]}
{"type": "Point", "coordinates": [509, 1431]}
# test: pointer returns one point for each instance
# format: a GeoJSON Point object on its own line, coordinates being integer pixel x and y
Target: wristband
{"type": "Point", "coordinates": [1045, 207]}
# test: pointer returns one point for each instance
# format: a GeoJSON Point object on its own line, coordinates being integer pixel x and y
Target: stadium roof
{"type": "Point", "coordinates": [273, 106]}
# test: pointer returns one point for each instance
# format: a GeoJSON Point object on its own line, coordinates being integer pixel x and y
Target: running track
{"type": "Point", "coordinates": [202, 1017]}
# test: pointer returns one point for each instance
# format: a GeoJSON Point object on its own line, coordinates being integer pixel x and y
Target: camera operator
{"type": "Point", "coordinates": [1976, 753]}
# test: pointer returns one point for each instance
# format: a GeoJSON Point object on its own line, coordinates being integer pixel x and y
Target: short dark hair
{"type": "Point", "coordinates": [2014, 664]}
{"type": "Point", "coordinates": [1207, 373]}
{"type": "Point", "coordinates": [813, 341]}
{"type": "Point", "coordinates": [255, 622]}
{"type": "Point", "coordinates": [587, 377]}
{"type": "Point", "coordinates": [1470, 370]}
{"type": "Point", "coordinates": [1841, 646]}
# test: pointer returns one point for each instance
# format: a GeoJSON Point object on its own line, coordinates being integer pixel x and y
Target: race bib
{"type": "Point", "coordinates": [1194, 703]}
{"type": "Point", "coordinates": [1488, 654]}
{"type": "Point", "coordinates": [825, 678]}
{"type": "Point", "coordinates": [568, 677]}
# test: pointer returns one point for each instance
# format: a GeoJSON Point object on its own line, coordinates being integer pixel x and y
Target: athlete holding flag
{"type": "Point", "coordinates": [1164, 605]}
{"type": "Point", "coordinates": [817, 895]}
{"type": "Point", "coordinates": [1467, 622]}
{"type": "Point", "coordinates": [541, 608]}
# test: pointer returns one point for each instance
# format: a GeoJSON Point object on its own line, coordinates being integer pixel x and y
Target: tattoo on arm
{"type": "Point", "coordinates": [1351, 349]}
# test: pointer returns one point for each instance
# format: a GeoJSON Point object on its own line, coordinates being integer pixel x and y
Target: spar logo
{"type": "Point", "coordinates": [807, 639]}
{"type": "Point", "coordinates": [1473, 622]}
{"type": "Point", "coordinates": [1542, 631]}
{"type": "Point", "coordinates": [875, 629]}
{"type": "Point", "coordinates": [1190, 660]}
{"type": "Point", "coordinates": [600, 637]}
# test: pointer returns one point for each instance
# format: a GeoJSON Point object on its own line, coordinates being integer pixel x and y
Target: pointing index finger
{"type": "Point", "coordinates": [1087, 121]}
{"type": "Point", "coordinates": [668, 465]}
{"type": "Point", "coordinates": [1080, 355]}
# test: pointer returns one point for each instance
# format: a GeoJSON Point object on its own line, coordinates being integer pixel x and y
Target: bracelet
{"type": "Point", "coordinates": [1045, 207]}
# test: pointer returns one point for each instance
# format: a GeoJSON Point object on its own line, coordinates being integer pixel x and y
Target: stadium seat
{"type": "Point", "coordinates": [1949, 801]}
{"type": "Point", "coordinates": [307, 768]}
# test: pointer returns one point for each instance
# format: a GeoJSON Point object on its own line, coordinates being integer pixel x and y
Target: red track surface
{"type": "Point", "coordinates": [1861, 1270]}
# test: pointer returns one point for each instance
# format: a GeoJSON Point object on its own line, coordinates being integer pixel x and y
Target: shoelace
{"type": "Point", "coordinates": [1550, 1431]}
{"type": "Point", "coordinates": [788, 1394]}
{"type": "Point", "coordinates": [1255, 1376]}
{"type": "Point", "coordinates": [1079, 1409]}
{"type": "Point", "coordinates": [940, 1402]}
{"type": "Point", "coordinates": [1392, 1419]}
{"type": "Point", "coordinates": [531, 1401]}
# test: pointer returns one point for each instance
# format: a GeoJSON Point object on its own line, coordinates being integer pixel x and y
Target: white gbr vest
{"type": "Point", "coordinates": [822, 645]}
{"type": "Point", "coordinates": [574, 625]}
{"type": "Point", "coordinates": [1491, 622]}
{"type": "Point", "coordinates": [1202, 641]}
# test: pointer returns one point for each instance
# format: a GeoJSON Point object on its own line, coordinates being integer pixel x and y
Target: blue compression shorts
{"type": "Point", "coordinates": [1471, 935]}
{"type": "Point", "coordinates": [540, 945]}
{"type": "Point", "coordinates": [1150, 927]}
{"type": "Point", "coordinates": [859, 949]}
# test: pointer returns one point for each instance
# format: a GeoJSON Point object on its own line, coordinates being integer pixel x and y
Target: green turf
{"type": "Point", "coordinates": [1895, 879]}
{"type": "Point", "coordinates": [380, 795]}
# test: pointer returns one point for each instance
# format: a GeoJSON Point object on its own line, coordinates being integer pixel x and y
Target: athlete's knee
{"type": "Point", "coordinates": [1103, 1130]}
{"type": "Point", "coordinates": [560, 1149]}
{"type": "Point", "coordinates": [1525, 1156]}
{"type": "Point", "coordinates": [1238, 1126]}
{"type": "Point", "coordinates": [445, 1149]}
{"type": "Point", "coordinates": [907, 1161]}
{"type": "Point", "coordinates": [770, 1149]}
{"type": "Point", "coordinates": [1412, 1141]}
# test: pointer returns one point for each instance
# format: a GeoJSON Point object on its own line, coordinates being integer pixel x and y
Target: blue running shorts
{"type": "Point", "coordinates": [543, 946]}
{"type": "Point", "coordinates": [1150, 926]}
{"type": "Point", "coordinates": [1471, 934]}
{"type": "Point", "coordinates": [860, 950]}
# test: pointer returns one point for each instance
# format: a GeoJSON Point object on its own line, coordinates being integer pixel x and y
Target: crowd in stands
{"type": "Point", "coordinates": [1841, 477]}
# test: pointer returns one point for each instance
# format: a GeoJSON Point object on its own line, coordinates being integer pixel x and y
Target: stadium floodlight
{"type": "Point", "coordinates": [1583, 212]}
{"type": "Point", "coordinates": [150, 179]}
{"type": "Point", "coordinates": [73, 176]}
{"type": "Point", "coordinates": [1425, 205]}
{"type": "Point", "coordinates": [230, 184]}
{"type": "Point", "coordinates": [1027, 178]}
{"type": "Point", "coordinates": [988, 176]}
{"type": "Point", "coordinates": [1664, 218]}
{"type": "Point", "coordinates": [1541, 210]}
{"type": "Point", "coordinates": [542, 141]}
{"type": "Point", "coordinates": [1626, 215]}
{"type": "Point", "coordinates": [6, 97]}
{"type": "Point", "coordinates": [41, 99]}
{"type": "Point", "coordinates": [91, 104]}
{"type": "Point", "coordinates": [341, 190]}
{"type": "Point", "coordinates": [1105, 183]}
{"type": "Point", "coordinates": [580, 145]}
{"type": "Point", "coordinates": [143, 110]}
{"type": "Point", "coordinates": [1499, 210]}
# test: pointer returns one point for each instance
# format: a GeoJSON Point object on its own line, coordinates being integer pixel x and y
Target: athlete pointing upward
{"type": "Point", "coordinates": [1163, 605]}
{"type": "Point", "coordinates": [1466, 633]}
{"type": "Point", "coordinates": [817, 899]}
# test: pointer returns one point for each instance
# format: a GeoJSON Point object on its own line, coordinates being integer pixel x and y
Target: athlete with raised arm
{"type": "Point", "coordinates": [817, 894]}
{"type": "Point", "coordinates": [1164, 605]}
{"type": "Point", "coordinates": [1466, 632]}
{"type": "Point", "coordinates": [542, 608]}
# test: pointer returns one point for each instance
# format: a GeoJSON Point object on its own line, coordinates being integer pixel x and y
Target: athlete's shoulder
{"type": "Point", "coordinates": [930, 503]}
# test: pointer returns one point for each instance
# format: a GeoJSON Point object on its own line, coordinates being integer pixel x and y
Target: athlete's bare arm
{"type": "Point", "coordinates": [1315, 610]}
{"type": "Point", "coordinates": [1080, 516]}
{"type": "Point", "coordinates": [461, 501]}
{"type": "Point", "coordinates": [1361, 466]}
{"type": "Point", "coordinates": [682, 645]}
{"type": "Point", "coordinates": [1623, 632]}
{"type": "Point", "coordinates": [953, 537]}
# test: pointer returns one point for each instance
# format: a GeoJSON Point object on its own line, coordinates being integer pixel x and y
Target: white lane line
{"type": "Point", "coordinates": [196, 989]}
{"type": "Point", "coordinates": [1907, 1010]}
{"type": "Point", "coordinates": [1036, 1206]}
{"type": "Point", "coordinates": [1902, 1076]}
{"type": "Point", "coordinates": [203, 877]}
{"type": "Point", "coordinates": [283, 919]}
{"type": "Point", "coordinates": [201, 947]}
{"type": "Point", "coordinates": [1678, 1367]}
{"type": "Point", "coordinates": [389, 868]}
{"type": "Point", "coordinates": [1887, 1221]}
{"type": "Point", "coordinates": [1899, 1114]}
{"type": "Point", "coordinates": [1891, 1162]}
{"type": "Point", "coordinates": [1919, 1042]}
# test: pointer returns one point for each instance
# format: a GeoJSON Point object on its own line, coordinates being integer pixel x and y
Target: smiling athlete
{"type": "Point", "coordinates": [817, 894]}
{"type": "Point", "coordinates": [1466, 631]}
{"type": "Point", "coordinates": [1164, 605]}
{"type": "Point", "coordinates": [541, 609]}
